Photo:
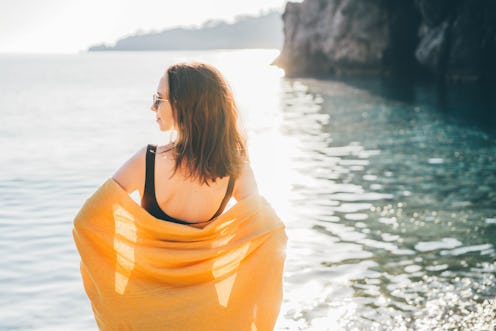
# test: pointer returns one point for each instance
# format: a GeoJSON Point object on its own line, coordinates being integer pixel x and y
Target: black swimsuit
{"type": "Point", "coordinates": [149, 200]}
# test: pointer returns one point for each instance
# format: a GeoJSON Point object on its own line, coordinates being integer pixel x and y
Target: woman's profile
{"type": "Point", "coordinates": [179, 260]}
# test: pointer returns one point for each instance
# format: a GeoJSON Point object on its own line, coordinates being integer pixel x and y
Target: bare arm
{"type": "Point", "coordinates": [131, 175]}
{"type": "Point", "coordinates": [246, 184]}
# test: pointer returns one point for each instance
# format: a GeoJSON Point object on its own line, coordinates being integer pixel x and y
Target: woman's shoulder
{"type": "Point", "coordinates": [245, 185]}
{"type": "Point", "coordinates": [131, 175]}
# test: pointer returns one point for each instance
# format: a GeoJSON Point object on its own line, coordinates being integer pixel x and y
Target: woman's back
{"type": "Point", "coordinates": [179, 197]}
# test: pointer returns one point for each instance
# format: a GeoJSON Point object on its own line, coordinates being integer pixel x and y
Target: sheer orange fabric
{"type": "Point", "coordinates": [142, 273]}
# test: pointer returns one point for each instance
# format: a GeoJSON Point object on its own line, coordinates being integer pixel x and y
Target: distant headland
{"type": "Point", "coordinates": [264, 31]}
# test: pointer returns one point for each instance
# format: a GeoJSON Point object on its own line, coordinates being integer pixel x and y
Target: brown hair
{"type": "Point", "coordinates": [209, 143]}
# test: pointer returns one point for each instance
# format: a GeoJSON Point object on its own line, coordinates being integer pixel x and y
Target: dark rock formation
{"type": "Point", "coordinates": [453, 39]}
{"type": "Point", "coordinates": [458, 38]}
{"type": "Point", "coordinates": [334, 36]}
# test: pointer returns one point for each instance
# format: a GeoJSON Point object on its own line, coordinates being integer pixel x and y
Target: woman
{"type": "Point", "coordinates": [178, 262]}
{"type": "Point", "coordinates": [207, 161]}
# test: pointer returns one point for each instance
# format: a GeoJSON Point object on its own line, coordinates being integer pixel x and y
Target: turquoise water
{"type": "Point", "coordinates": [388, 192]}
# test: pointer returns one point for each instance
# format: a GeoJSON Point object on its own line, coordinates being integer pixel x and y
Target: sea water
{"type": "Point", "coordinates": [388, 191]}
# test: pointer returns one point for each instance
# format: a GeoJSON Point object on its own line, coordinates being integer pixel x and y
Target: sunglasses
{"type": "Point", "coordinates": [157, 99]}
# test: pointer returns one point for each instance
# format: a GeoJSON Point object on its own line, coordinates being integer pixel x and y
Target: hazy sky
{"type": "Point", "coordinates": [66, 26]}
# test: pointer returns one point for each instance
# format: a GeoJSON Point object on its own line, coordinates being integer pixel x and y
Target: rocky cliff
{"type": "Point", "coordinates": [452, 39]}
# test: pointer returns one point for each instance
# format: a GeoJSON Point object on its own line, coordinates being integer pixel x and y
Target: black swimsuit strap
{"type": "Point", "coordinates": [149, 189]}
{"type": "Point", "coordinates": [224, 202]}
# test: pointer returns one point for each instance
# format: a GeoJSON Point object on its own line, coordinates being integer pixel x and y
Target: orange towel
{"type": "Point", "coordinates": [142, 273]}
